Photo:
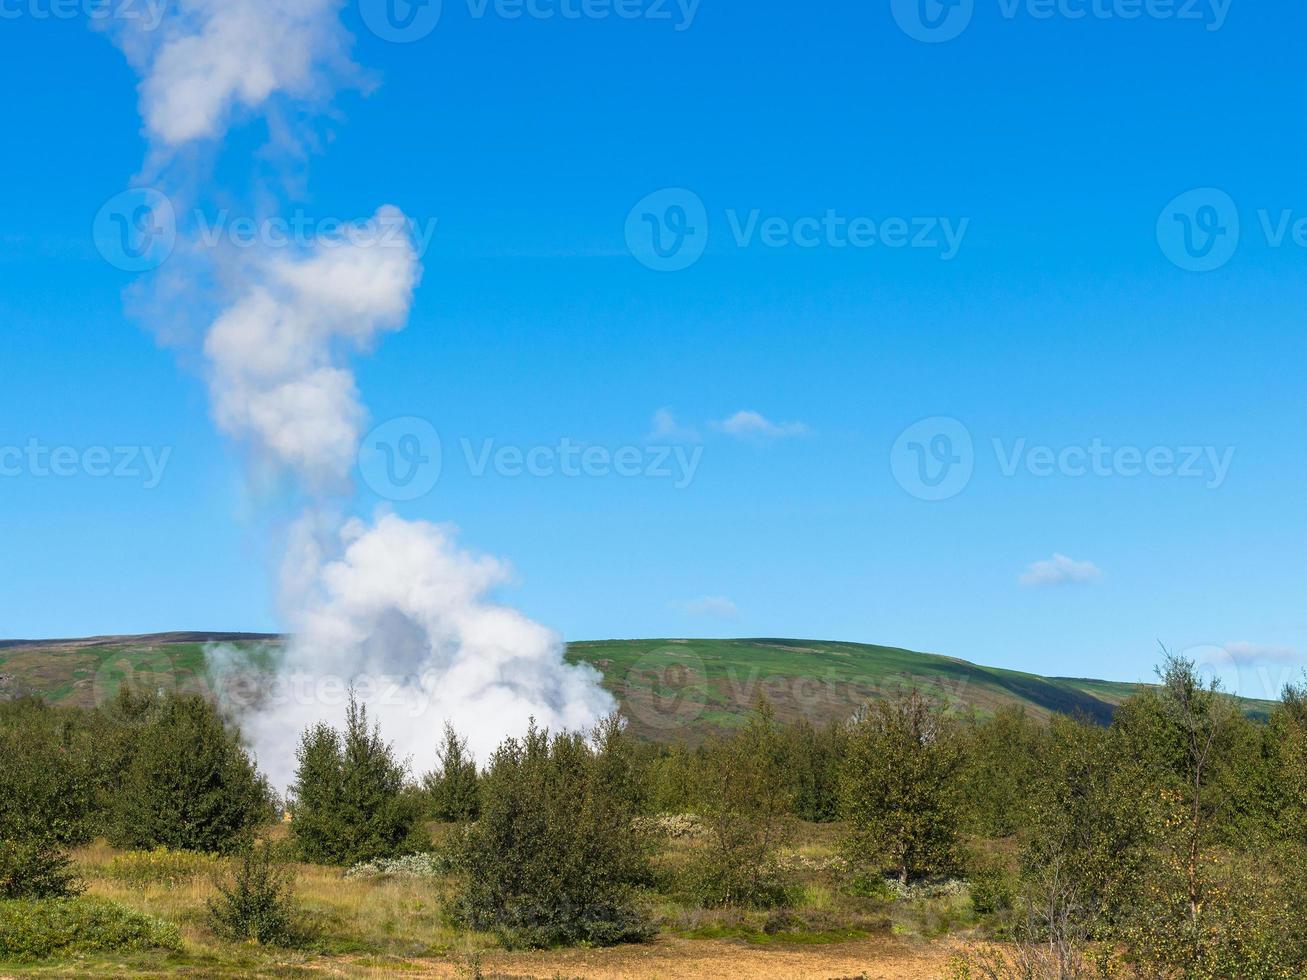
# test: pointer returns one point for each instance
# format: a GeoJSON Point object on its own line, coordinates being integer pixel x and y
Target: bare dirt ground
{"type": "Point", "coordinates": [682, 959]}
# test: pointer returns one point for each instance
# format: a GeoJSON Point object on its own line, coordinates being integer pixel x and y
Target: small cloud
{"type": "Point", "coordinates": [712, 607]}
{"type": "Point", "coordinates": [667, 429]}
{"type": "Point", "coordinates": [1248, 653]}
{"type": "Point", "coordinates": [752, 425]}
{"type": "Point", "coordinates": [1060, 570]}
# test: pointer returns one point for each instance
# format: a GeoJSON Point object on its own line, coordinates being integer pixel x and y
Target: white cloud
{"type": "Point", "coordinates": [202, 60]}
{"type": "Point", "coordinates": [1060, 570]}
{"type": "Point", "coordinates": [753, 425]}
{"type": "Point", "coordinates": [712, 607]}
{"type": "Point", "coordinates": [665, 429]}
{"type": "Point", "coordinates": [1244, 652]}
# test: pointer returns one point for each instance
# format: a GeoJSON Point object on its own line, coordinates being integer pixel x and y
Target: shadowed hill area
{"type": "Point", "coordinates": [669, 688]}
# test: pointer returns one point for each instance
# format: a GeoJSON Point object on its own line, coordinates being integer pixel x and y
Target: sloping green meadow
{"type": "Point", "coordinates": [669, 688]}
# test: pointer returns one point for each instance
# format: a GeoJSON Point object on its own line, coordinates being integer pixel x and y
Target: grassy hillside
{"type": "Point", "coordinates": [671, 688]}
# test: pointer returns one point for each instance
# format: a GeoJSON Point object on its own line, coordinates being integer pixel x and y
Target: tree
{"type": "Point", "coordinates": [350, 798]}
{"type": "Point", "coordinates": [813, 761]}
{"type": "Point", "coordinates": [189, 784]}
{"type": "Point", "coordinates": [452, 789]}
{"type": "Point", "coordinates": [746, 797]}
{"type": "Point", "coordinates": [1000, 759]}
{"type": "Point", "coordinates": [555, 856]}
{"type": "Point", "coordinates": [899, 788]}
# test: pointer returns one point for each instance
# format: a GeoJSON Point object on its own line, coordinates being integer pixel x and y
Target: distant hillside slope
{"type": "Point", "coordinates": [671, 688]}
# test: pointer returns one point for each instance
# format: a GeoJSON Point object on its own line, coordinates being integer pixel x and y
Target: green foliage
{"type": "Point", "coordinates": [257, 904]}
{"type": "Point", "coordinates": [813, 761]}
{"type": "Point", "coordinates": [51, 794]}
{"type": "Point", "coordinates": [31, 930]}
{"type": "Point", "coordinates": [351, 802]}
{"type": "Point", "coordinates": [899, 788]}
{"type": "Point", "coordinates": [453, 789]}
{"type": "Point", "coordinates": [556, 857]}
{"type": "Point", "coordinates": [1000, 757]}
{"type": "Point", "coordinates": [189, 783]}
{"type": "Point", "coordinates": [993, 890]}
{"type": "Point", "coordinates": [746, 801]}
{"type": "Point", "coordinates": [35, 868]}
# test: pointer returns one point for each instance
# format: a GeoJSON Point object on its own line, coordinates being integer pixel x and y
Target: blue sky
{"type": "Point", "coordinates": [1063, 321]}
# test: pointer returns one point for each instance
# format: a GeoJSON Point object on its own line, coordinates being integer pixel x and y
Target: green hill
{"type": "Point", "coordinates": [671, 688]}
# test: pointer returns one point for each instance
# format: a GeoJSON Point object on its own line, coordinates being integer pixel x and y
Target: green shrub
{"type": "Point", "coordinates": [161, 867]}
{"type": "Point", "coordinates": [452, 789]}
{"type": "Point", "coordinates": [556, 856]}
{"type": "Point", "coordinates": [50, 796]}
{"type": "Point", "coordinates": [351, 802]}
{"type": "Point", "coordinates": [32, 930]}
{"type": "Point", "coordinates": [189, 784]}
{"type": "Point", "coordinates": [427, 865]}
{"type": "Point", "coordinates": [35, 868]}
{"type": "Point", "coordinates": [257, 903]}
{"type": "Point", "coordinates": [746, 801]}
{"type": "Point", "coordinates": [992, 891]}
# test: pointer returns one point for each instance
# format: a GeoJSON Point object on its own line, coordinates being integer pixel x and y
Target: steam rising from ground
{"type": "Point", "coordinates": [394, 607]}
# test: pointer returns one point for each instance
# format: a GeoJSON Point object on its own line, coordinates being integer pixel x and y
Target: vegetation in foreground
{"type": "Point", "coordinates": [1170, 843]}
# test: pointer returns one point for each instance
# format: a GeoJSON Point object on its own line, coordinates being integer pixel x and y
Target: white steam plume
{"type": "Point", "coordinates": [201, 61]}
{"type": "Point", "coordinates": [394, 607]}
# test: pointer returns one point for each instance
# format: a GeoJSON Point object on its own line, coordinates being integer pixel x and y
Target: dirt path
{"type": "Point", "coordinates": [680, 959]}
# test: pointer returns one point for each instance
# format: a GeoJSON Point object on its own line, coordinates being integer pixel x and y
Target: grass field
{"type": "Point", "coordinates": [391, 927]}
{"type": "Point", "coordinates": [668, 688]}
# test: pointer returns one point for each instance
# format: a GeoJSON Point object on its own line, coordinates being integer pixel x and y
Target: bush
{"type": "Point", "coordinates": [257, 904]}
{"type": "Point", "coordinates": [161, 867]}
{"type": "Point", "coordinates": [189, 785]}
{"type": "Point", "coordinates": [351, 802]}
{"type": "Point", "coordinates": [556, 857]}
{"type": "Point", "coordinates": [409, 866]}
{"type": "Point", "coordinates": [59, 926]}
{"type": "Point", "coordinates": [35, 868]}
{"type": "Point", "coordinates": [50, 795]}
